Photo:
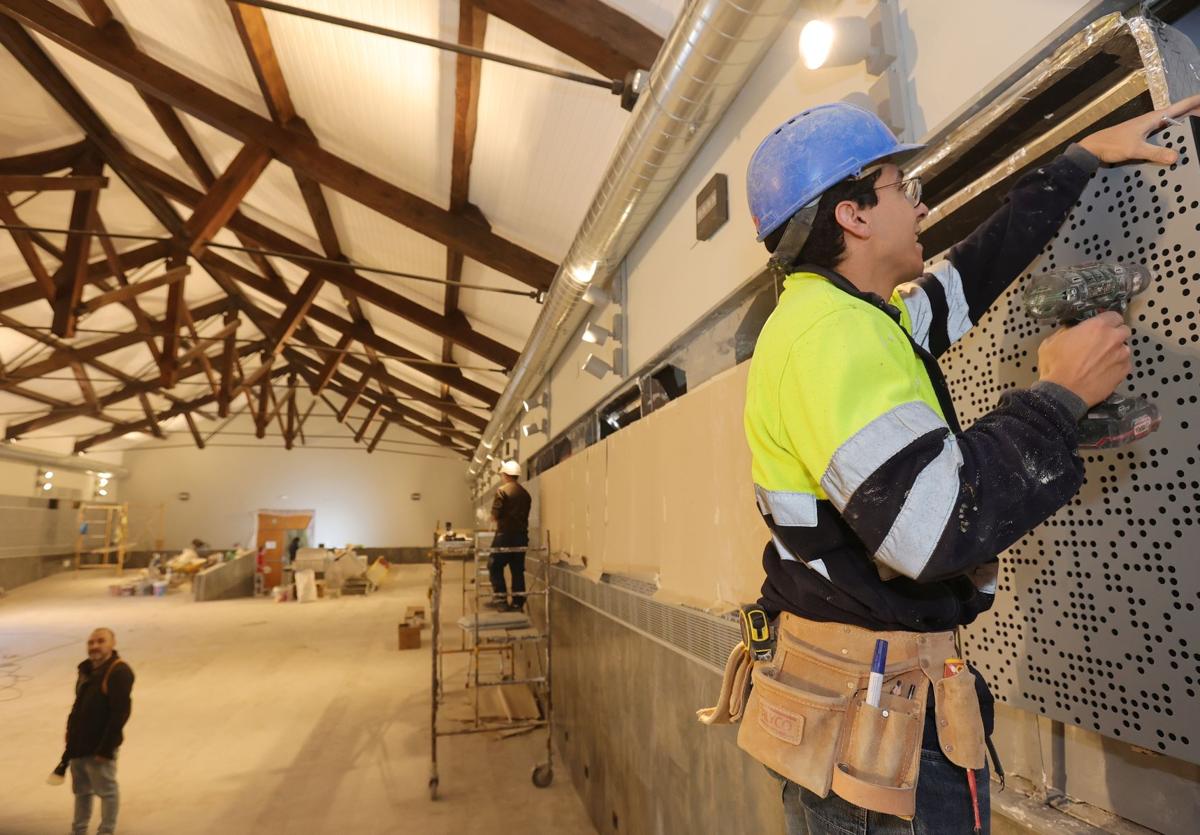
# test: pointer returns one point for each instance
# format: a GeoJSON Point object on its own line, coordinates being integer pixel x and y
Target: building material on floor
{"type": "Point", "coordinates": [229, 574]}
{"type": "Point", "coordinates": [410, 635]}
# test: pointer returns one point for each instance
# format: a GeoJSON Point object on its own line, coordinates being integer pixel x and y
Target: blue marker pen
{"type": "Point", "coordinates": [875, 681]}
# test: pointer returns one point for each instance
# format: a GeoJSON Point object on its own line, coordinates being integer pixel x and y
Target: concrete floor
{"type": "Point", "coordinates": [252, 716]}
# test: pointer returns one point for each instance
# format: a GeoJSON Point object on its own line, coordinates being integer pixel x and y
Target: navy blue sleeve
{"type": "Point", "coordinates": [999, 250]}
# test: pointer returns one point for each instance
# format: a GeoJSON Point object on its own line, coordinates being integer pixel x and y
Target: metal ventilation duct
{"type": "Point", "coordinates": [703, 65]}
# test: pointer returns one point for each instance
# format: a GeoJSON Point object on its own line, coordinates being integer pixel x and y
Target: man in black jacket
{"type": "Point", "coordinates": [102, 706]}
{"type": "Point", "coordinates": [510, 512]}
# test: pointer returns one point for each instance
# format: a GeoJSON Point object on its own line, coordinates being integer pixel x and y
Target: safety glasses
{"type": "Point", "coordinates": [910, 188]}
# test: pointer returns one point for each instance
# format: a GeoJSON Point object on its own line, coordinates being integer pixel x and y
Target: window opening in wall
{"type": "Point", "coordinates": [621, 411]}
{"type": "Point", "coordinates": [663, 386]}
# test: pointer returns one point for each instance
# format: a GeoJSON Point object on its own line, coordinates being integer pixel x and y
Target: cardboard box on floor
{"type": "Point", "coordinates": [410, 635]}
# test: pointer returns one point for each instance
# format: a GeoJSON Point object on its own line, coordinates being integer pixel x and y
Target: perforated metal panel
{"type": "Point", "coordinates": [1095, 622]}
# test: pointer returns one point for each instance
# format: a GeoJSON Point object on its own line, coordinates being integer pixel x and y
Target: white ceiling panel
{"type": "Point", "coordinates": [29, 119]}
{"type": "Point", "coordinates": [275, 201]}
{"type": "Point", "coordinates": [377, 102]}
{"type": "Point", "coordinates": [505, 318]}
{"type": "Point", "coordinates": [197, 38]}
{"type": "Point", "coordinates": [656, 15]}
{"type": "Point", "coordinates": [542, 146]}
{"type": "Point", "coordinates": [369, 238]}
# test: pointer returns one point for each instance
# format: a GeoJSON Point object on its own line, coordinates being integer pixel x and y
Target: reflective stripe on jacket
{"type": "Point", "coordinates": [883, 513]}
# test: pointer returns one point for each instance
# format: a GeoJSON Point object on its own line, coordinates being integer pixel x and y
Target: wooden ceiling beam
{"type": "Point", "coordinates": [42, 278]}
{"type": "Point", "coordinates": [354, 391]}
{"type": "Point", "coordinates": [144, 425]}
{"type": "Point", "coordinates": [457, 330]}
{"type": "Point", "coordinates": [155, 429]}
{"type": "Point", "coordinates": [72, 274]}
{"type": "Point", "coordinates": [91, 350]}
{"type": "Point", "coordinates": [114, 263]}
{"type": "Point", "coordinates": [590, 31]}
{"type": "Point", "coordinates": [297, 308]}
{"type": "Point", "coordinates": [227, 366]}
{"type": "Point", "coordinates": [289, 435]}
{"type": "Point", "coordinates": [65, 411]}
{"type": "Point", "coordinates": [472, 27]}
{"type": "Point", "coordinates": [371, 413]}
{"type": "Point", "coordinates": [43, 162]}
{"type": "Point", "coordinates": [383, 425]}
{"type": "Point", "coordinates": [352, 397]}
{"type": "Point", "coordinates": [85, 385]}
{"type": "Point", "coordinates": [294, 149]}
{"type": "Point", "coordinates": [224, 196]}
{"type": "Point", "coordinates": [331, 364]}
{"type": "Point", "coordinates": [398, 420]}
{"type": "Point", "coordinates": [129, 291]}
{"type": "Point", "coordinates": [191, 422]}
{"type": "Point", "coordinates": [251, 25]}
{"type": "Point", "coordinates": [453, 377]}
{"type": "Point", "coordinates": [30, 182]}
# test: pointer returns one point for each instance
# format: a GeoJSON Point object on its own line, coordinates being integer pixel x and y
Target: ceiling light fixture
{"type": "Point", "coordinates": [538, 428]}
{"type": "Point", "coordinates": [598, 368]}
{"type": "Point", "coordinates": [596, 296]}
{"type": "Point", "coordinates": [595, 334]}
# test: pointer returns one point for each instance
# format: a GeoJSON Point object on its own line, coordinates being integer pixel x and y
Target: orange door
{"type": "Point", "coordinates": [275, 531]}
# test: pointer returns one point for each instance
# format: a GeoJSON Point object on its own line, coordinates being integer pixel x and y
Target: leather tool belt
{"type": "Point", "coordinates": [805, 712]}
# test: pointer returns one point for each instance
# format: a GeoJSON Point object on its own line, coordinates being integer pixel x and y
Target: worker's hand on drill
{"type": "Point", "coordinates": [1090, 359]}
{"type": "Point", "coordinates": [1126, 142]}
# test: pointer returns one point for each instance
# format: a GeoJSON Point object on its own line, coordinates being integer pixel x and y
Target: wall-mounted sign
{"type": "Point", "coordinates": [712, 207]}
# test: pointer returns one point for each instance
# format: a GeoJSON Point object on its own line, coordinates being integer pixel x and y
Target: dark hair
{"type": "Point", "coordinates": [827, 242]}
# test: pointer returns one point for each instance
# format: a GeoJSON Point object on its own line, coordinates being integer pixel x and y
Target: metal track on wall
{"type": "Point", "coordinates": [702, 637]}
{"type": "Point", "coordinates": [1096, 618]}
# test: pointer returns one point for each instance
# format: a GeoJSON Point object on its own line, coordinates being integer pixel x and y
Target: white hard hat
{"type": "Point", "coordinates": [510, 468]}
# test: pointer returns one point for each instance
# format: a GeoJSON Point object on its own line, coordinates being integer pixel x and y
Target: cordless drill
{"type": "Point", "coordinates": [1074, 294]}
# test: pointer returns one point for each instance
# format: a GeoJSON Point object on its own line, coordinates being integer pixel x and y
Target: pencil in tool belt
{"type": "Point", "coordinates": [875, 680]}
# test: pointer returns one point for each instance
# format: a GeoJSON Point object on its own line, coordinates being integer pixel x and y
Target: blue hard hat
{"type": "Point", "coordinates": [810, 152]}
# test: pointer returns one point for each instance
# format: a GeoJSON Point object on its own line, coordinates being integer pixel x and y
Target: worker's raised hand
{"type": "Point", "coordinates": [1090, 359]}
{"type": "Point", "coordinates": [1126, 142]}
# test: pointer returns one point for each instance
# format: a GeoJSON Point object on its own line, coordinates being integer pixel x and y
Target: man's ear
{"type": "Point", "coordinates": [850, 216]}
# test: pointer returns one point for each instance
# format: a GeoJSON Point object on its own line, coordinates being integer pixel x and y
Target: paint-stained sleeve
{"type": "Point", "coordinates": [926, 502]}
{"type": "Point", "coordinates": [990, 258]}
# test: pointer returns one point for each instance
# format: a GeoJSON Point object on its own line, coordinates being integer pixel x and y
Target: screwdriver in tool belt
{"type": "Point", "coordinates": [953, 667]}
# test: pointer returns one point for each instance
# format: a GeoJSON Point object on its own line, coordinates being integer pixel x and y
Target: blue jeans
{"type": "Point", "coordinates": [943, 803]}
{"type": "Point", "coordinates": [90, 776]}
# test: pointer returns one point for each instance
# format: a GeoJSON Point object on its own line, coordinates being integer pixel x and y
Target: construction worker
{"type": "Point", "coordinates": [510, 514]}
{"type": "Point", "coordinates": [886, 517]}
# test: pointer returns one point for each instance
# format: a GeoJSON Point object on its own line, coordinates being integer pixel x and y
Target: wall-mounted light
{"type": "Point", "coordinates": [596, 334]}
{"type": "Point", "coordinates": [874, 40]}
{"type": "Point", "coordinates": [44, 480]}
{"type": "Point", "coordinates": [596, 296]}
{"type": "Point", "coordinates": [542, 402]}
{"type": "Point", "coordinates": [599, 369]}
{"type": "Point", "coordinates": [538, 428]}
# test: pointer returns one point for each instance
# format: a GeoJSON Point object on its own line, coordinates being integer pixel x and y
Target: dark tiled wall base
{"type": "Point", "coordinates": [625, 724]}
{"type": "Point", "coordinates": [17, 571]}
